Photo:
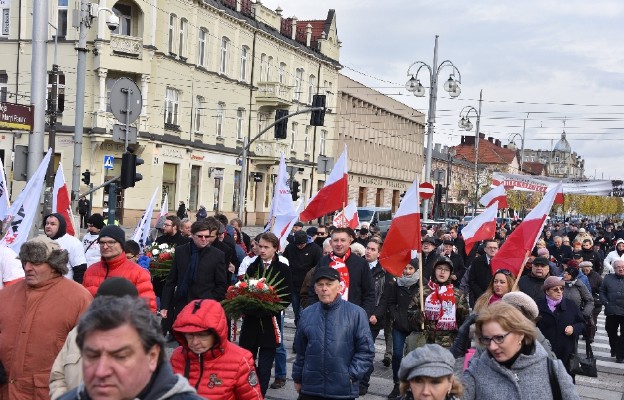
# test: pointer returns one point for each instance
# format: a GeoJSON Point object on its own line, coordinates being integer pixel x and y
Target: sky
{"type": "Point", "coordinates": [543, 64]}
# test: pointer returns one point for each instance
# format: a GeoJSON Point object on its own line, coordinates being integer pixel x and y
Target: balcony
{"type": "Point", "coordinates": [127, 45]}
{"type": "Point", "coordinates": [274, 94]}
{"type": "Point", "coordinates": [268, 150]}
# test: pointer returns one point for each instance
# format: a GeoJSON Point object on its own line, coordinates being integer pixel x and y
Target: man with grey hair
{"type": "Point", "coordinates": [123, 354]}
{"type": "Point", "coordinates": [185, 228]}
{"type": "Point", "coordinates": [36, 315]}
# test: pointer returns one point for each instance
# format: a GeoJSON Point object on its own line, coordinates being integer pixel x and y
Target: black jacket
{"type": "Point", "coordinates": [403, 304]}
{"type": "Point", "coordinates": [563, 254]}
{"type": "Point", "coordinates": [361, 288]}
{"type": "Point", "coordinates": [553, 326]}
{"type": "Point", "coordinates": [428, 260]}
{"type": "Point", "coordinates": [382, 280]}
{"type": "Point", "coordinates": [301, 261]}
{"type": "Point", "coordinates": [175, 240]}
{"type": "Point", "coordinates": [532, 286]}
{"type": "Point", "coordinates": [479, 278]}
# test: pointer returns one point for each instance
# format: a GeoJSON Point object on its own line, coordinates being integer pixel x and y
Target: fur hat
{"type": "Point", "coordinates": [522, 302]}
{"type": "Point", "coordinates": [42, 249]}
{"type": "Point", "coordinates": [551, 282]}
{"type": "Point", "coordinates": [113, 232]}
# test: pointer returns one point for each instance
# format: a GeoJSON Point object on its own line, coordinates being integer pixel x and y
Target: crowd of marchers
{"type": "Point", "coordinates": [88, 319]}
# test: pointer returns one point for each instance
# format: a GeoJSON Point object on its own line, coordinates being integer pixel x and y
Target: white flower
{"type": "Point", "coordinates": [155, 252]}
{"type": "Point", "coordinates": [163, 246]}
{"type": "Point", "coordinates": [253, 282]}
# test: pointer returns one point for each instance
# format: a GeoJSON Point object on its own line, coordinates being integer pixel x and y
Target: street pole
{"type": "Point", "coordinates": [81, 69]}
{"type": "Point", "coordinates": [38, 84]}
{"type": "Point", "coordinates": [448, 183]}
{"type": "Point", "coordinates": [476, 166]}
{"type": "Point", "coordinates": [433, 96]}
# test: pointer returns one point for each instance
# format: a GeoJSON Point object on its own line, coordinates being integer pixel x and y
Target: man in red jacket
{"type": "Point", "coordinates": [115, 263]}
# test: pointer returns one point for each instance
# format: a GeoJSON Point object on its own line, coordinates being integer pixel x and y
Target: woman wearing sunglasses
{"type": "Point", "coordinates": [514, 366]}
{"type": "Point", "coordinates": [561, 320]}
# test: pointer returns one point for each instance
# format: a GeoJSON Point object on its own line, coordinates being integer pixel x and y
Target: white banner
{"type": "Point", "coordinates": [143, 227]}
{"type": "Point", "coordinates": [4, 194]}
{"type": "Point", "coordinates": [531, 183]}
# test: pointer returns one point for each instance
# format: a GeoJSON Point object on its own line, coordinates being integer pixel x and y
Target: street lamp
{"type": "Point", "coordinates": [414, 86]}
{"type": "Point", "coordinates": [449, 166]}
{"type": "Point", "coordinates": [464, 123]}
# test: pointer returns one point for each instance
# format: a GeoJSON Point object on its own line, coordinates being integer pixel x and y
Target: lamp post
{"type": "Point", "coordinates": [449, 166]}
{"type": "Point", "coordinates": [451, 86]}
{"type": "Point", "coordinates": [465, 124]}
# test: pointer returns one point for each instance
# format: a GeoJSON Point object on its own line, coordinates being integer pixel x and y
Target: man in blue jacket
{"type": "Point", "coordinates": [334, 343]}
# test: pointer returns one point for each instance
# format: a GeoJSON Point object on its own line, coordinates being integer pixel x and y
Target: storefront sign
{"type": "Point", "coordinates": [376, 182]}
{"type": "Point", "coordinates": [16, 116]}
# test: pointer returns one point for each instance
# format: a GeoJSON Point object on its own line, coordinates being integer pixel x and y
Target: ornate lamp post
{"type": "Point", "coordinates": [465, 124]}
{"type": "Point", "coordinates": [449, 166]}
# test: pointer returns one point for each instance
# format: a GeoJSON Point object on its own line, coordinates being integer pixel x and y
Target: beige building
{"type": "Point", "coordinates": [385, 143]}
{"type": "Point", "coordinates": [211, 72]}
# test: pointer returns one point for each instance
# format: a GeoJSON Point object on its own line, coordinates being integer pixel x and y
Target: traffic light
{"type": "Point", "coordinates": [86, 177]}
{"type": "Point", "coordinates": [318, 117]}
{"type": "Point", "coordinates": [294, 190]}
{"type": "Point", "coordinates": [129, 176]}
{"type": "Point", "coordinates": [281, 127]}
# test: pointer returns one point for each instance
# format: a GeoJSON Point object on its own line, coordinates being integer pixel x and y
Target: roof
{"type": "Point", "coordinates": [489, 153]}
{"type": "Point", "coordinates": [533, 168]}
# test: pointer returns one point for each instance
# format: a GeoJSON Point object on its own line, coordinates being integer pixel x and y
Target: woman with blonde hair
{"type": "Point", "coordinates": [502, 283]}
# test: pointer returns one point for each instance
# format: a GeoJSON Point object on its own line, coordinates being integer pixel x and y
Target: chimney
{"type": "Point", "coordinates": [238, 5]}
{"type": "Point", "coordinates": [481, 135]}
{"type": "Point", "coordinates": [308, 34]}
{"type": "Point", "coordinates": [278, 11]}
{"type": "Point", "coordinates": [445, 149]}
{"type": "Point", "coordinates": [294, 28]}
{"type": "Point", "coordinates": [436, 147]}
{"type": "Point", "coordinates": [469, 140]}
{"type": "Point", "coordinates": [490, 139]}
{"type": "Point", "coordinates": [497, 142]}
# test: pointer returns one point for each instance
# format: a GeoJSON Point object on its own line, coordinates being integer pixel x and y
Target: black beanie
{"type": "Point", "coordinates": [96, 220]}
{"type": "Point", "coordinates": [113, 232]}
{"type": "Point", "coordinates": [117, 287]}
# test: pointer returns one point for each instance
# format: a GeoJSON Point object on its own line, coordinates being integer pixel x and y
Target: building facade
{"type": "Point", "coordinates": [560, 162]}
{"type": "Point", "coordinates": [385, 143]}
{"type": "Point", "coordinates": [456, 176]}
{"type": "Point", "coordinates": [210, 72]}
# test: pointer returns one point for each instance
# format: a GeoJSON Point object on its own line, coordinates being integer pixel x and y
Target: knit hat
{"type": "Point", "coordinates": [96, 220]}
{"type": "Point", "coordinates": [41, 249]}
{"type": "Point", "coordinates": [118, 287]}
{"type": "Point", "coordinates": [113, 232]}
{"type": "Point", "coordinates": [573, 264]}
{"type": "Point", "coordinates": [551, 282]}
{"type": "Point", "coordinates": [430, 360]}
{"type": "Point", "coordinates": [522, 302]}
{"type": "Point", "coordinates": [449, 242]}
{"type": "Point", "coordinates": [572, 271]}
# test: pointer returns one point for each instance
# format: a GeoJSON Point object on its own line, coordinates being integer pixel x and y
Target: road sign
{"type": "Point", "coordinates": [108, 162]}
{"type": "Point", "coordinates": [126, 101]}
{"type": "Point", "coordinates": [425, 190]}
{"type": "Point", "coordinates": [119, 134]}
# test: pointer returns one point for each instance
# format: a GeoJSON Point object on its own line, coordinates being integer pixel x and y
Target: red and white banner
{"type": "Point", "coordinates": [282, 209]}
{"type": "Point", "coordinates": [404, 234]}
{"type": "Point", "coordinates": [60, 200]}
{"type": "Point", "coordinates": [333, 196]}
{"type": "Point", "coordinates": [164, 208]}
{"type": "Point", "coordinates": [481, 227]}
{"type": "Point", "coordinates": [348, 217]}
{"type": "Point", "coordinates": [4, 194]}
{"type": "Point", "coordinates": [541, 184]}
{"type": "Point", "coordinates": [141, 232]}
{"type": "Point", "coordinates": [495, 195]}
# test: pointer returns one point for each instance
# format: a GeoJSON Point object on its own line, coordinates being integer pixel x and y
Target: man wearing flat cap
{"type": "Point", "coordinates": [333, 342]}
{"type": "Point", "coordinates": [533, 282]}
{"type": "Point", "coordinates": [36, 315]}
{"type": "Point", "coordinates": [429, 256]}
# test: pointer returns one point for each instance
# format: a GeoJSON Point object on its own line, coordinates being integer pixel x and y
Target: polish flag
{"type": "Point", "coordinates": [481, 227]}
{"type": "Point", "coordinates": [333, 196]}
{"type": "Point", "coordinates": [347, 217]}
{"type": "Point", "coordinates": [496, 194]}
{"type": "Point", "coordinates": [559, 198]}
{"type": "Point", "coordinates": [164, 208]}
{"type": "Point", "coordinates": [404, 234]}
{"type": "Point", "coordinates": [282, 209]}
{"type": "Point", "coordinates": [60, 200]}
{"type": "Point", "coordinates": [512, 255]}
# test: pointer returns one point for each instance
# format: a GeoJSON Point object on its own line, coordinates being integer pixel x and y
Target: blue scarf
{"type": "Point", "coordinates": [189, 276]}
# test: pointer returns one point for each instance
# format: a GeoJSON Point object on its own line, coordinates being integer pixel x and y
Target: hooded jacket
{"type": "Point", "coordinates": [577, 292]}
{"type": "Point", "coordinates": [226, 371]}
{"type": "Point", "coordinates": [611, 257]}
{"type": "Point", "coordinates": [77, 263]}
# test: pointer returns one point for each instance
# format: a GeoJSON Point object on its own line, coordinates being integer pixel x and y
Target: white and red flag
{"type": "Point", "coordinates": [348, 217]}
{"type": "Point", "coordinates": [404, 234]}
{"type": "Point", "coordinates": [282, 209]}
{"type": "Point", "coordinates": [61, 203]}
{"type": "Point", "coordinates": [142, 230]}
{"type": "Point", "coordinates": [513, 253]}
{"type": "Point", "coordinates": [481, 227]}
{"type": "Point", "coordinates": [559, 197]}
{"type": "Point", "coordinates": [494, 195]}
{"type": "Point", "coordinates": [4, 194]}
{"type": "Point", "coordinates": [164, 207]}
{"type": "Point", "coordinates": [333, 196]}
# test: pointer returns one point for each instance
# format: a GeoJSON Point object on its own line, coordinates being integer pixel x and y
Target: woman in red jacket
{"type": "Point", "coordinates": [218, 368]}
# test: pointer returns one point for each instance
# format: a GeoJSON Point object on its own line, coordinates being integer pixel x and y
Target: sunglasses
{"type": "Point", "coordinates": [205, 236]}
{"type": "Point", "coordinates": [557, 289]}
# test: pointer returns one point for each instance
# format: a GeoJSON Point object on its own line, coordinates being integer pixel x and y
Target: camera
{"type": "Point", "coordinates": [112, 22]}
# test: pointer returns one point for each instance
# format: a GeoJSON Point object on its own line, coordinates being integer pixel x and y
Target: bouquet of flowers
{"type": "Point", "coordinates": [255, 296]}
{"type": "Point", "coordinates": [161, 258]}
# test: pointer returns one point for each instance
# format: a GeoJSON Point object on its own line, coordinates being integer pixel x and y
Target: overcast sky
{"type": "Point", "coordinates": [541, 60]}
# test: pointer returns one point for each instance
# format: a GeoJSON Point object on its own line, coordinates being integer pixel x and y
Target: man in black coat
{"type": "Point", "coordinates": [359, 288]}
{"type": "Point", "coordinates": [171, 232]}
{"type": "Point", "coordinates": [562, 252]}
{"type": "Point", "coordinates": [531, 283]}
{"type": "Point", "coordinates": [458, 261]}
{"type": "Point", "coordinates": [429, 256]}
{"type": "Point", "coordinates": [481, 272]}
{"type": "Point", "coordinates": [198, 271]}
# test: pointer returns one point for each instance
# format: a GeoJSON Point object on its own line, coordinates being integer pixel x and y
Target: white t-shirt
{"type": "Point", "coordinates": [75, 250]}
{"type": "Point", "coordinates": [91, 248]}
{"type": "Point", "coordinates": [247, 261]}
{"type": "Point", "coordinates": [10, 267]}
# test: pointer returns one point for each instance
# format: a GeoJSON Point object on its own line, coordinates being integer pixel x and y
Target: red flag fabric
{"type": "Point", "coordinates": [403, 235]}
{"type": "Point", "coordinates": [513, 253]}
{"type": "Point", "coordinates": [61, 203]}
{"type": "Point", "coordinates": [347, 217]}
{"type": "Point", "coordinates": [481, 227]}
{"type": "Point", "coordinates": [559, 197]}
{"type": "Point", "coordinates": [494, 195]}
{"type": "Point", "coordinates": [333, 196]}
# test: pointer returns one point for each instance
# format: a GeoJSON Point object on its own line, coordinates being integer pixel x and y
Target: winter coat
{"type": "Point", "coordinates": [226, 371]}
{"type": "Point", "coordinates": [532, 286]}
{"type": "Point", "coordinates": [428, 261]}
{"type": "Point", "coordinates": [553, 326]}
{"type": "Point", "coordinates": [165, 385]}
{"type": "Point", "coordinates": [301, 261]}
{"type": "Point", "coordinates": [201, 214]}
{"type": "Point", "coordinates": [361, 288]}
{"type": "Point", "coordinates": [479, 278]}
{"type": "Point", "coordinates": [446, 338]}
{"type": "Point", "coordinates": [594, 257]}
{"type": "Point", "coordinates": [563, 253]}
{"type": "Point", "coordinates": [610, 258]}
{"type": "Point", "coordinates": [172, 240]}
{"type": "Point", "coordinates": [34, 322]}
{"type": "Point", "coordinates": [403, 304]}
{"type": "Point", "coordinates": [528, 378]}
{"type": "Point", "coordinates": [595, 281]}
{"type": "Point", "coordinates": [77, 263]}
{"type": "Point", "coordinates": [578, 293]}
{"type": "Point", "coordinates": [66, 371]}
{"type": "Point", "coordinates": [122, 267]}
{"type": "Point", "coordinates": [258, 328]}
{"type": "Point", "coordinates": [381, 281]}
{"type": "Point", "coordinates": [612, 294]}
{"type": "Point", "coordinates": [334, 348]}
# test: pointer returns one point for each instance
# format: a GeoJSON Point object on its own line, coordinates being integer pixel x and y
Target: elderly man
{"type": "Point", "coordinates": [115, 263]}
{"type": "Point", "coordinates": [612, 297]}
{"type": "Point", "coordinates": [561, 251]}
{"type": "Point", "coordinates": [36, 315]}
{"type": "Point", "coordinates": [185, 229]}
{"type": "Point", "coordinates": [532, 283]}
{"type": "Point", "coordinates": [123, 354]}
{"type": "Point", "coordinates": [55, 227]}
{"type": "Point", "coordinates": [334, 345]}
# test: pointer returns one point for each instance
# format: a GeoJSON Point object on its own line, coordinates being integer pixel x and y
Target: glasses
{"type": "Point", "coordinates": [498, 339]}
{"type": "Point", "coordinates": [504, 272]}
{"type": "Point", "coordinates": [205, 236]}
{"type": "Point", "coordinates": [167, 224]}
{"type": "Point", "coordinates": [443, 269]}
{"type": "Point", "coordinates": [107, 243]}
{"type": "Point", "coordinates": [557, 289]}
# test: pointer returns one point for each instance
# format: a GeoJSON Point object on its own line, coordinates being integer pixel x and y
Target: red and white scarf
{"type": "Point", "coordinates": [339, 264]}
{"type": "Point", "coordinates": [440, 306]}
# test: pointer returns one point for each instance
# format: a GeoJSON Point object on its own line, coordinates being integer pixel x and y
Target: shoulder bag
{"type": "Point", "coordinates": [554, 382]}
{"type": "Point", "coordinates": [584, 366]}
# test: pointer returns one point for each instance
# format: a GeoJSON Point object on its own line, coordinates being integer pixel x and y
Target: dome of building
{"type": "Point", "coordinates": [563, 145]}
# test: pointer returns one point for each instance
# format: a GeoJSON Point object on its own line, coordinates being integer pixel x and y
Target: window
{"type": "Point", "coordinates": [173, 22]}
{"type": "Point", "coordinates": [194, 187]}
{"type": "Point", "coordinates": [170, 173]}
{"type": "Point", "coordinates": [220, 112]}
{"type": "Point", "coordinates": [223, 66]}
{"type": "Point", "coordinates": [4, 88]}
{"type": "Point", "coordinates": [322, 137]}
{"type": "Point", "coordinates": [298, 79]}
{"type": "Point", "coordinates": [199, 111]}
{"type": "Point", "coordinates": [182, 34]}
{"type": "Point", "coordinates": [293, 133]}
{"type": "Point", "coordinates": [269, 67]}
{"type": "Point", "coordinates": [60, 99]}
{"type": "Point", "coordinates": [201, 47]}
{"type": "Point", "coordinates": [263, 67]}
{"type": "Point", "coordinates": [172, 102]}
{"type": "Point", "coordinates": [61, 18]}
{"type": "Point", "coordinates": [243, 64]}
{"type": "Point", "coordinates": [236, 191]}
{"type": "Point", "coordinates": [240, 119]}
{"type": "Point", "coordinates": [306, 148]}
{"type": "Point", "coordinates": [281, 72]}
{"type": "Point", "coordinates": [217, 192]}
{"type": "Point", "coordinates": [311, 87]}
{"type": "Point", "coordinates": [124, 12]}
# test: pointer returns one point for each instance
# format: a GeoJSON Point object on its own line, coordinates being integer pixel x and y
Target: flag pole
{"type": "Point", "coordinates": [526, 258]}
{"type": "Point", "coordinates": [343, 214]}
{"type": "Point", "coordinates": [420, 289]}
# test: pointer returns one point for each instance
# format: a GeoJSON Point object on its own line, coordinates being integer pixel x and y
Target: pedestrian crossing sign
{"type": "Point", "coordinates": [108, 162]}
